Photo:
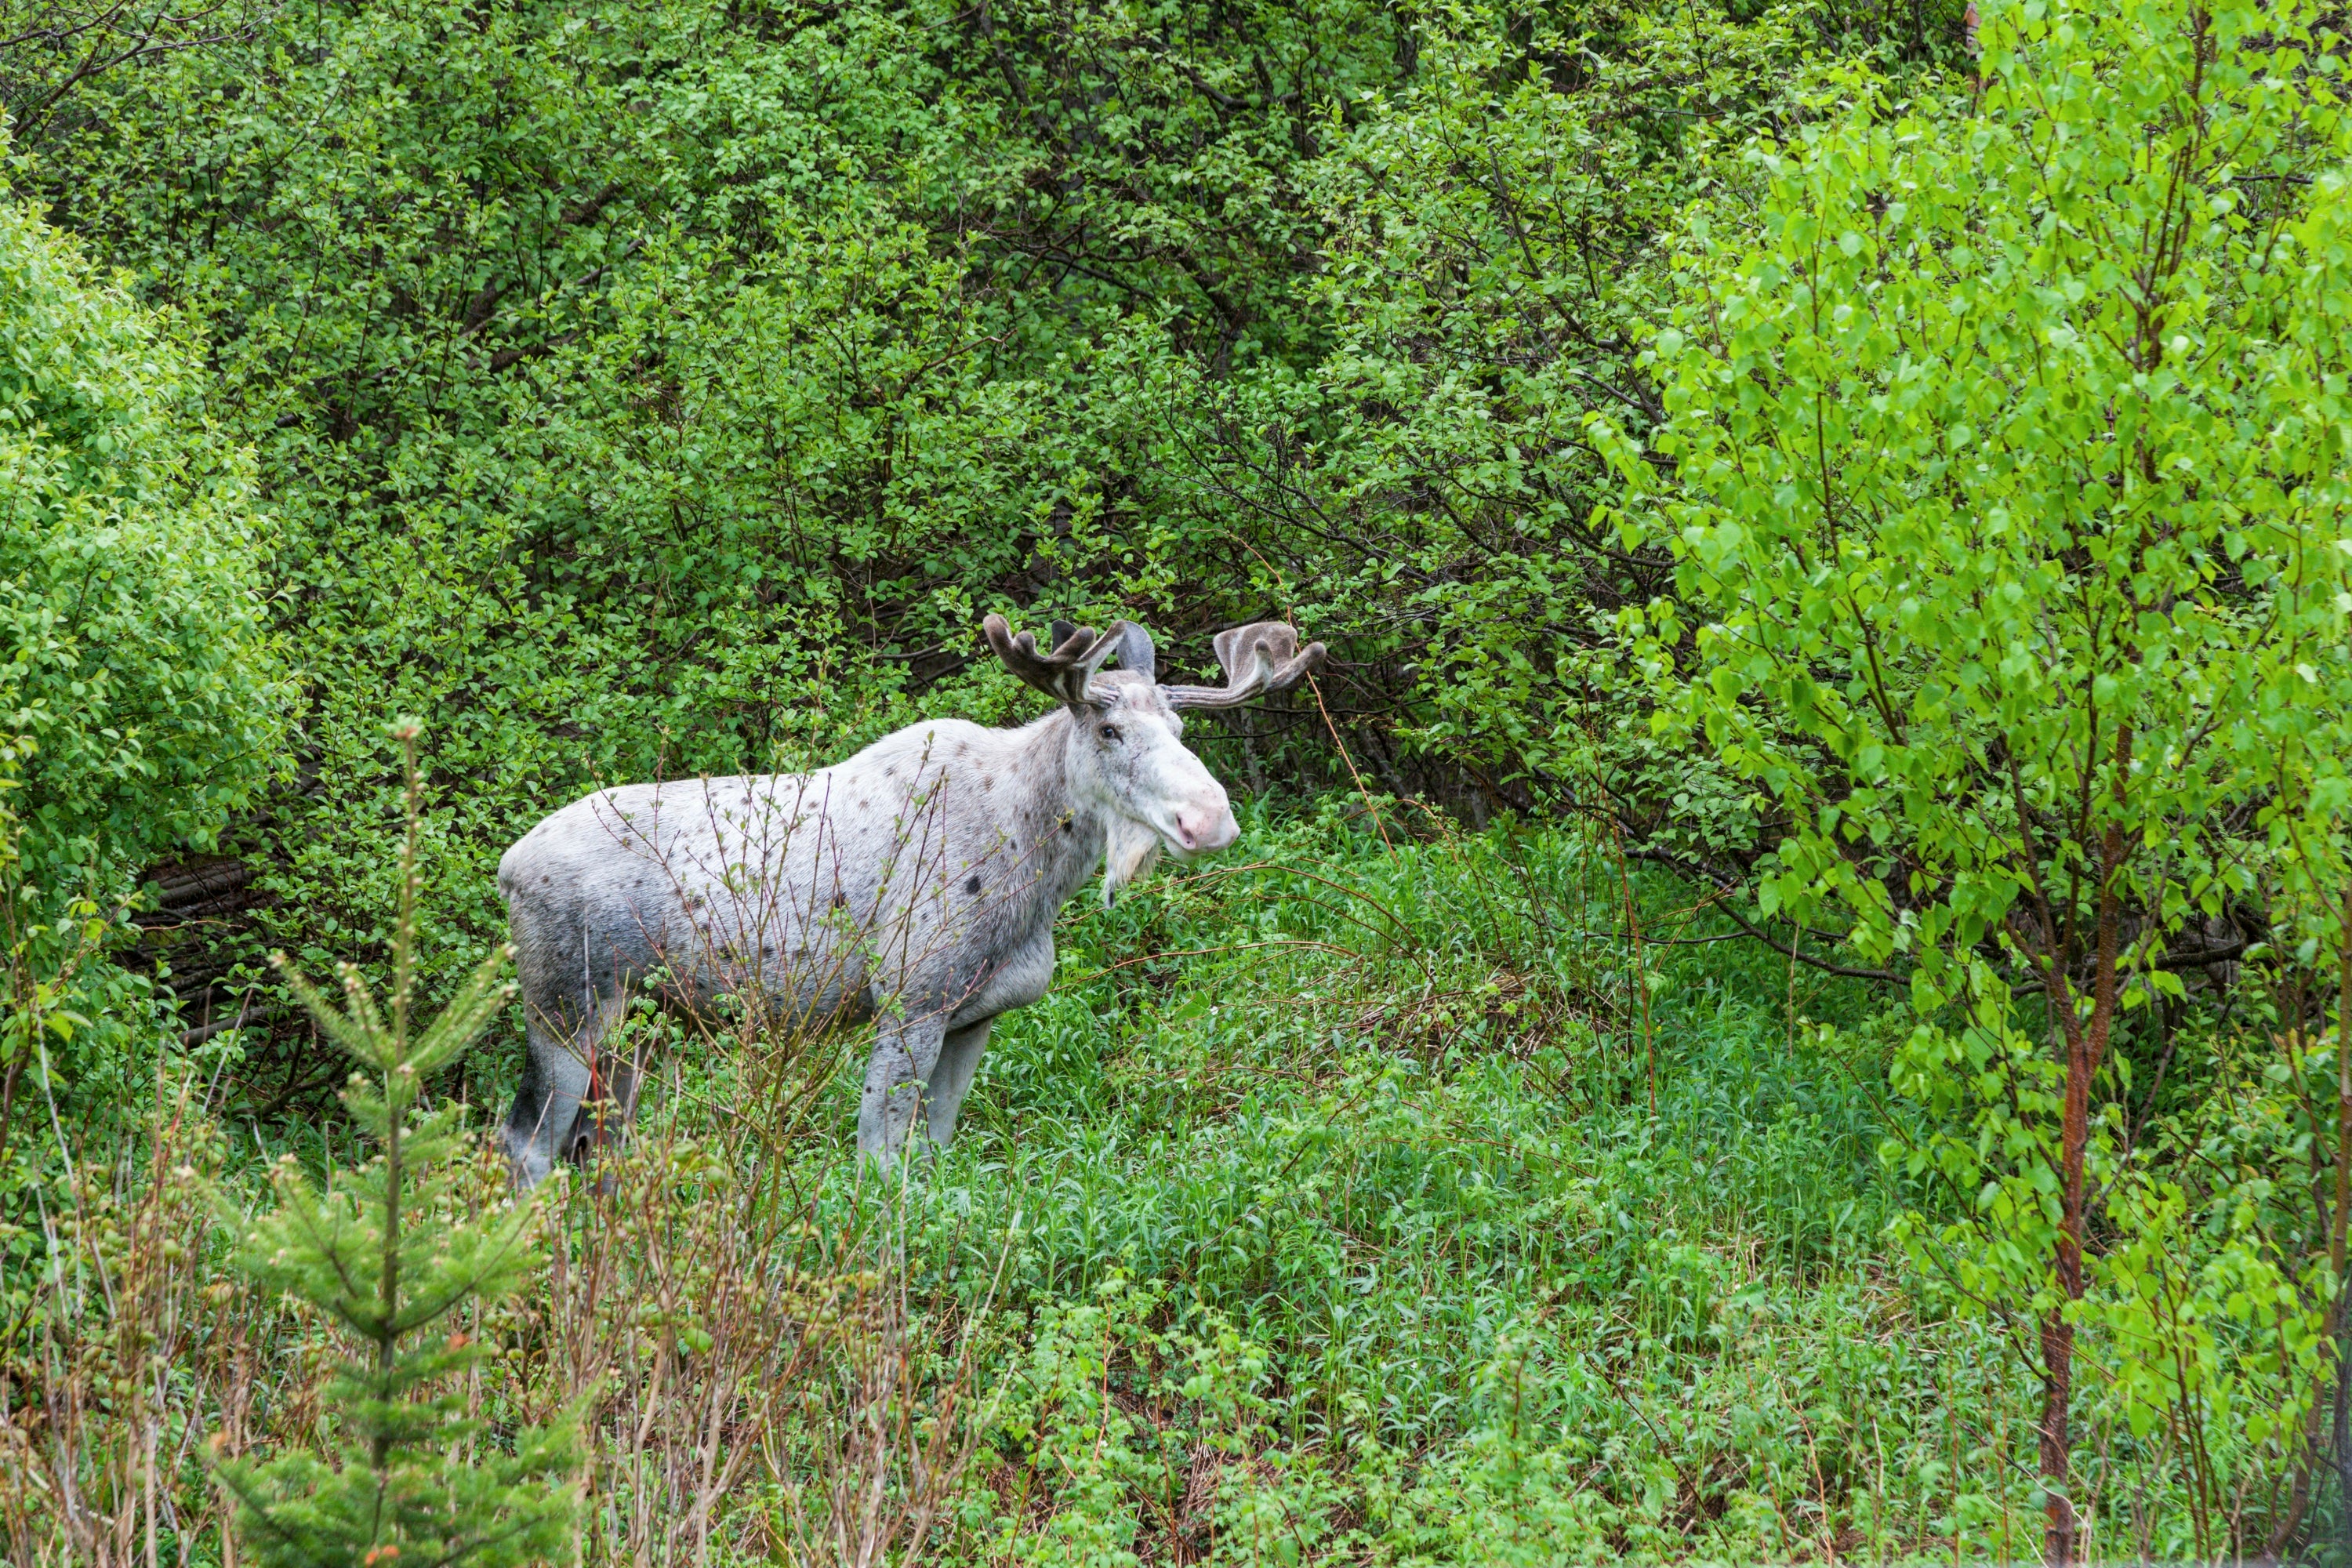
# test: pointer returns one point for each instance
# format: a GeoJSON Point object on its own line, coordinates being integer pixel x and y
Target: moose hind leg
{"type": "Point", "coordinates": [905, 1054]}
{"type": "Point", "coordinates": [951, 1079]}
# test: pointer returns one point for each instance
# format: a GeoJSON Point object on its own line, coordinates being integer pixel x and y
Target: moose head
{"type": "Point", "coordinates": [1126, 755]}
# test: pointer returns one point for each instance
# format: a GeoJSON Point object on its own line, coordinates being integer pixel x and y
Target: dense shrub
{"type": "Point", "coordinates": [139, 696]}
{"type": "Point", "coordinates": [644, 388]}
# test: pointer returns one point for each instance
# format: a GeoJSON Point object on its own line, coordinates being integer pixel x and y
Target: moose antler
{"type": "Point", "coordinates": [1064, 673]}
{"type": "Point", "coordinates": [1261, 657]}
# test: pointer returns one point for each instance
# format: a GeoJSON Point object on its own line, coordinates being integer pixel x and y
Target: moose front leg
{"type": "Point", "coordinates": [950, 1080]}
{"type": "Point", "coordinates": [906, 1050]}
{"type": "Point", "coordinates": [557, 1109]}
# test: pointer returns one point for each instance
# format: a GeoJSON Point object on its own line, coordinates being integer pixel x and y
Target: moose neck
{"type": "Point", "coordinates": [1061, 856]}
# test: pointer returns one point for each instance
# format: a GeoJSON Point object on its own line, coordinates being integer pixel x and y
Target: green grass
{"type": "Point", "coordinates": [1378, 1120]}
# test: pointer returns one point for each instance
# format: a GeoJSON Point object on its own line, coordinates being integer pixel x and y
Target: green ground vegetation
{"type": "Point", "coordinates": [1347, 1205]}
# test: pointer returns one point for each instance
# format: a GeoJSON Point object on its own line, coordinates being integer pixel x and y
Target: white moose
{"type": "Point", "coordinates": [916, 883]}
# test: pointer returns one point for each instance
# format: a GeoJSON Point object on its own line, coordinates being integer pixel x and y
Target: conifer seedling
{"type": "Point", "coordinates": [390, 1253]}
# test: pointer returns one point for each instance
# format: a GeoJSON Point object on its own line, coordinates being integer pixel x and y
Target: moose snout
{"type": "Point", "coordinates": [1205, 828]}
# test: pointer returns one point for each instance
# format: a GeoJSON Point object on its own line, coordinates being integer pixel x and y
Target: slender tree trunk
{"type": "Point", "coordinates": [2061, 1540]}
{"type": "Point", "coordinates": [2337, 1235]}
{"type": "Point", "coordinates": [8, 1101]}
{"type": "Point", "coordinates": [2086, 1045]}
{"type": "Point", "coordinates": [2053, 1428]}
{"type": "Point", "coordinates": [388, 1287]}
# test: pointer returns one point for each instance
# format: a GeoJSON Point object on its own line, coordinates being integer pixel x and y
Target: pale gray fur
{"type": "Point", "coordinates": [915, 884]}
{"type": "Point", "coordinates": [732, 882]}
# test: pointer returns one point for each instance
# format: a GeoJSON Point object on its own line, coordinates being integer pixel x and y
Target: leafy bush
{"type": "Point", "coordinates": [661, 388]}
{"type": "Point", "coordinates": [2011, 546]}
{"type": "Point", "coordinates": [140, 700]}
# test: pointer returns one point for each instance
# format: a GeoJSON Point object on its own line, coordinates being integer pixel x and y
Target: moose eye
{"type": "Point", "coordinates": [1110, 731]}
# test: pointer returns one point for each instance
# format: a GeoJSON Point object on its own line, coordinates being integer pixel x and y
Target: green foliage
{"type": "Point", "coordinates": [644, 389]}
{"type": "Point", "coordinates": [441, 252]}
{"type": "Point", "coordinates": [1344, 1232]}
{"type": "Point", "coordinates": [140, 701]}
{"type": "Point", "coordinates": [390, 1255]}
{"type": "Point", "coordinates": [2011, 537]}
{"type": "Point", "coordinates": [1184, 1401]}
{"type": "Point", "coordinates": [668, 388]}
{"type": "Point", "coordinates": [1487, 1306]}
{"type": "Point", "coordinates": [1426, 489]}
{"type": "Point", "coordinates": [2013, 482]}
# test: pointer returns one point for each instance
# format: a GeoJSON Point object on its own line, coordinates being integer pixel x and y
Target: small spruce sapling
{"type": "Point", "coordinates": [382, 1252]}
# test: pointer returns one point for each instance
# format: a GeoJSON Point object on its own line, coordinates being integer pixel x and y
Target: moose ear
{"type": "Point", "coordinates": [1135, 650]}
{"type": "Point", "coordinates": [1057, 633]}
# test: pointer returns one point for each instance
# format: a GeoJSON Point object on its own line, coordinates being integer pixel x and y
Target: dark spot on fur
{"type": "Point", "coordinates": [841, 900]}
{"type": "Point", "coordinates": [972, 886]}
{"type": "Point", "coordinates": [987, 780]}
{"type": "Point", "coordinates": [1065, 825]}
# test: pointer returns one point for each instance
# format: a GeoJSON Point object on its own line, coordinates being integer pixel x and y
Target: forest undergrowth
{"type": "Point", "coordinates": [1375, 1195]}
